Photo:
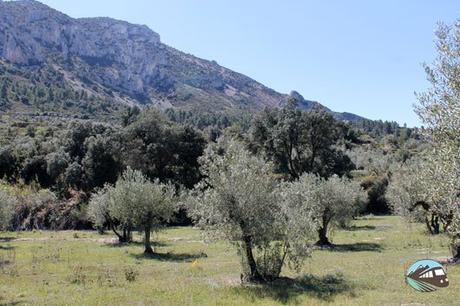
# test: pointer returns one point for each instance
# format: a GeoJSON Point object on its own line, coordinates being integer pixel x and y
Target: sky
{"type": "Point", "coordinates": [358, 56]}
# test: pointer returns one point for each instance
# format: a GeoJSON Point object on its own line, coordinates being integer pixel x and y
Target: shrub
{"type": "Point", "coordinates": [7, 204]}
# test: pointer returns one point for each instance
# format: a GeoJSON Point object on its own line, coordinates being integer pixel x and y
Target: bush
{"type": "Point", "coordinates": [43, 210]}
{"type": "Point", "coordinates": [376, 187]}
{"type": "Point", "coordinates": [7, 204]}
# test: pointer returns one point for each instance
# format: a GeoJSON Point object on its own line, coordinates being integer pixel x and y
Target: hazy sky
{"type": "Point", "coordinates": [357, 56]}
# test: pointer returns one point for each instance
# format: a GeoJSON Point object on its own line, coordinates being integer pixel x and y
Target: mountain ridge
{"type": "Point", "coordinates": [105, 61]}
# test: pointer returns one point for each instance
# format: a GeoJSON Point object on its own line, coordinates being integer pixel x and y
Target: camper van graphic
{"type": "Point", "coordinates": [427, 275]}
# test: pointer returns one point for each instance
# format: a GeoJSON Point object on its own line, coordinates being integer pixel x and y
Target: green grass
{"type": "Point", "coordinates": [65, 268]}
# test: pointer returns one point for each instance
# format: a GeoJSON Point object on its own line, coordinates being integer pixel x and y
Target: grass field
{"type": "Point", "coordinates": [79, 267]}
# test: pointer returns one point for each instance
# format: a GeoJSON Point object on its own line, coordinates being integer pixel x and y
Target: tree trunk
{"type": "Point", "coordinates": [147, 245]}
{"type": "Point", "coordinates": [322, 234]}
{"type": "Point", "coordinates": [435, 224]}
{"type": "Point", "coordinates": [120, 237]}
{"type": "Point", "coordinates": [456, 252]}
{"type": "Point", "coordinates": [428, 226]}
{"type": "Point", "coordinates": [254, 275]}
{"type": "Point", "coordinates": [127, 234]}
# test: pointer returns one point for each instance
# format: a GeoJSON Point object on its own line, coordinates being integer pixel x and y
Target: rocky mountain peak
{"type": "Point", "coordinates": [120, 62]}
{"type": "Point", "coordinates": [295, 95]}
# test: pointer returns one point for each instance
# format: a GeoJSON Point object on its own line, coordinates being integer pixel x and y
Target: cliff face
{"type": "Point", "coordinates": [121, 62]}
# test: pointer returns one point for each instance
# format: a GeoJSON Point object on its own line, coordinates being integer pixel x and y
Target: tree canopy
{"type": "Point", "coordinates": [439, 109]}
{"type": "Point", "coordinates": [300, 141]}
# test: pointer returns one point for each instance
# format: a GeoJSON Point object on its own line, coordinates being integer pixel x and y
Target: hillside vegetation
{"type": "Point", "coordinates": [93, 67]}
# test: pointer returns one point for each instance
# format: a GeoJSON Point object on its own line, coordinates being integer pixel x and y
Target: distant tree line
{"type": "Point", "coordinates": [379, 129]}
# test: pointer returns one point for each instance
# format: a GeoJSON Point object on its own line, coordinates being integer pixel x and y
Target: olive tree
{"type": "Point", "coordinates": [134, 200]}
{"type": "Point", "coordinates": [439, 109]}
{"type": "Point", "coordinates": [334, 201]}
{"type": "Point", "coordinates": [411, 196]}
{"type": "Point", "coordinates": [238, 200]}
{"type": "Point", "coordinates": [99, 213]}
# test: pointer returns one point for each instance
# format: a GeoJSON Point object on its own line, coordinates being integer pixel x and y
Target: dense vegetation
{"type": "Point", "coordinates": [74, 159]}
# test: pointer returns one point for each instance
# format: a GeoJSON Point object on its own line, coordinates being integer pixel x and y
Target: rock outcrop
{"type": "Point", "coordinates": [124, 62]}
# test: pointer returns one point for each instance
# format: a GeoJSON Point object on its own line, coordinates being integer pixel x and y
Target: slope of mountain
{"type": "Point", "coordinates": [52, 62]}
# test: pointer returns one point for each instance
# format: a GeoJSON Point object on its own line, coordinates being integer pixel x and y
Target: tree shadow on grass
{"type": "Point", "coordinates": [136, 243]}
{"type": "Point", "coordinates": [360, 228]}
{"type": "Point", "coordinates": [6, 247]}
{"type": "Point", "coordinates": [353, 247]}
{"type": "Point", "coordinates": [11, 303]}
{"type": "Point", "coordinates": [170, 256]}
{"type": "Point", "coordinates": [7, 239]}
{"type": "Point", "coordinates": [286, 290]}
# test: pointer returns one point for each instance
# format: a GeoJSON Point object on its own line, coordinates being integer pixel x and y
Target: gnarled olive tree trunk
{"type": "Point", "coordinates": [125, 236]}
{"type": "Point", "coordinates": [254, 275]}
{"type": "Point", "coordinates": [322, 231]}
{"type": "Point", "coordinates": [456, 249]}
{"type": "Point", "coordinates": [147, 244]}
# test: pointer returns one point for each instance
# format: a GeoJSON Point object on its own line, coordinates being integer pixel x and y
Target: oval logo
{"type": "Point", "coordinates": [426, 275]}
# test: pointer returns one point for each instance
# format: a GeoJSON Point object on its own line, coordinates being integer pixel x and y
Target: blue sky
{"type": "Point", "coordinates": [357, 56]}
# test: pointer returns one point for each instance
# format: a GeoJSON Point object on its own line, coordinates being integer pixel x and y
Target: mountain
{"type": "Point", "coordinates": [52, 62]}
